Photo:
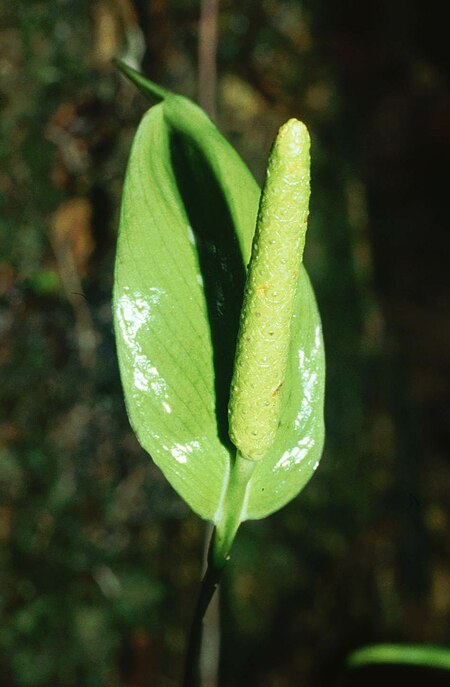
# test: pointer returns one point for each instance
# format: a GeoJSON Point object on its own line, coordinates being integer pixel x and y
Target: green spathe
{"type": "Point", "coordinates": [188, 214]}
{"type": "Point", "coordinates": [265, 330]}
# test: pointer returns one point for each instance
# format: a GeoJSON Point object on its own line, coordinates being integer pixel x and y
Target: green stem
{"type": "Point", "coordinates": [209, 585]}
{"type": "Point", "coordinates": [222, 539]}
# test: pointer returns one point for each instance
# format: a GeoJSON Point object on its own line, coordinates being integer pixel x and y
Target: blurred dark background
{"type": "Point", "coordinates": [99, 558]}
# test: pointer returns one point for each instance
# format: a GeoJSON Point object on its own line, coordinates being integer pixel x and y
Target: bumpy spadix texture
{"type": "Point", "coordinates": [268, 308]}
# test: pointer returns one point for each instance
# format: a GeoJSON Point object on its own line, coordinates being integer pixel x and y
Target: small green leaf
{"type": "Point", "coordinates": [422, 655]}
{"type": "Point", "coordinates": [187, 223]}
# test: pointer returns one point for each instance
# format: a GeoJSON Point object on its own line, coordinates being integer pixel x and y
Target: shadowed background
{"type": "Point", "coordinates": [99, 558]}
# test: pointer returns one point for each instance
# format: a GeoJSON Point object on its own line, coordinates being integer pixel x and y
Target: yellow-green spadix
{"type": "Point", "coordinates": [264, 334]}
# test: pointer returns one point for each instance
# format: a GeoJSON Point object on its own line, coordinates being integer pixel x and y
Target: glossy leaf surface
{"type": "Point", "coordinates": [187, 222]}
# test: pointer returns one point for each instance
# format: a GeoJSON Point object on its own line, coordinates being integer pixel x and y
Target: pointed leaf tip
{"type": "Point", "coordinates": [151, 90]}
